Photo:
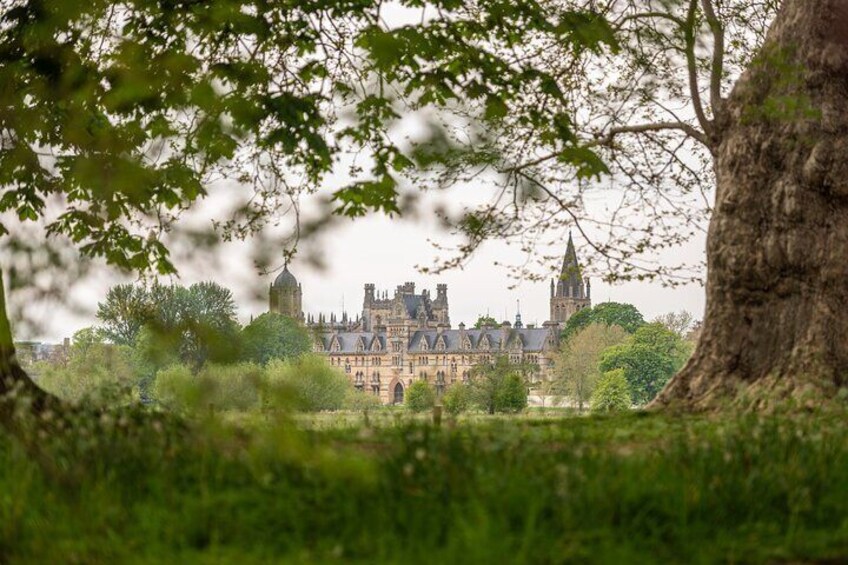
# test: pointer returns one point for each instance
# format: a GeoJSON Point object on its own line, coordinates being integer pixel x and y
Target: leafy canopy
{"type": "Point", "coordinates": [123, 113]}
{"type": "Point", "coordinates": [273, 336]}
{"type": "Point", "coordinates": [625, 316]}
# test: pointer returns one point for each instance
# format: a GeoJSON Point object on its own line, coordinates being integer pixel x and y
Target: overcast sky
{"type": "Point", "coordinates": [385, 252]}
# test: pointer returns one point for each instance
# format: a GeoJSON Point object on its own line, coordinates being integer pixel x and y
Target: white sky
{"type": "Point", "coordinates": [385, 252]}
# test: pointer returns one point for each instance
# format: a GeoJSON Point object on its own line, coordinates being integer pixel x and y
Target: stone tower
{"type": "Point", "coordinates": [286, 296]}
{"type": "Point", "coordinates": [570, 293]}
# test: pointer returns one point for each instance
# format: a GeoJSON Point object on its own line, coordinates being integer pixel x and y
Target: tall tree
{"type": "Point", "coordinates": [126, 308]}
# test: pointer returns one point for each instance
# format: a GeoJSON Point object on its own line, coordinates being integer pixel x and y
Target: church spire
{"type": "Point", "coordinates": [570, 282]}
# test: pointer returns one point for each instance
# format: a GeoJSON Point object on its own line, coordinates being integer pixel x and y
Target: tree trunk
{"type": "Point", "coordinates": [15, 385]}
{"type": "Point", "coordinates": [776, 322]}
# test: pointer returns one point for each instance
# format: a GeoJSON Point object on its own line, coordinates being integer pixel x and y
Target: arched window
{"type": "Point", "coordinates": [440, 383]}
{"type": "Point", "coordinates": [375, 384]}
{"type": "Point", "coordinates": [397, 396]}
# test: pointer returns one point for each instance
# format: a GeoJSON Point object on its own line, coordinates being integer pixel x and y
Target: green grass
{"type": "Point", "coordinates": [532, 489]}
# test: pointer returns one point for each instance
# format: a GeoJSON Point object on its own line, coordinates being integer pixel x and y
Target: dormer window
{"type": "Point", "coordinates": [423, 344]}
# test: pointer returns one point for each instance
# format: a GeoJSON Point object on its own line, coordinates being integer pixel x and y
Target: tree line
{"type": "Point", "coordinates": [611, 358]}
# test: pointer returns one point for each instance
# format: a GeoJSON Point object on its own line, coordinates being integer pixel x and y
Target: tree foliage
{"type": "Point", "coordinates": [170, 323]}
{"type": "Point", "coordinates": [625, 316]}
{"type": "Point", "coordinates": [612, 393]}
{"type": "Point", "coordinates": [576, 364]}
{"type": "Point", "coordinates": [499, 387]}
{"type": "Point", "coordinates": [483, 321]}
{"type": "Point", "coordinates": [457, 399]}
{"type": "Point", "coordinates": [95, 372]}
{"type": "Point", "coordinates": [272, 336]}
{"type": "Point", "coordinates": [310, 381]}
{"type": "Point", "coordinates": [419, 397]}
{"type": "Point", "coordinates": [649, 359]}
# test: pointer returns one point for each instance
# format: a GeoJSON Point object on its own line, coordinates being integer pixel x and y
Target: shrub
{"type": "Point", "coordinates": [457, 399]}
{"type": "Point", "coordinates": [96, 373]}
{"type": "Point", "coordinates": [612, 393]}
{"type": "Point", "coordinates": [308, 382]}
{"type": "Point", "coordinates": [511, 395]}
{"type": "Point", "coordinates": [223, 387]}
{"type": "Point", "coordinates": [420, 396]}
{"type": "Point", "coordinates": [361, 401]}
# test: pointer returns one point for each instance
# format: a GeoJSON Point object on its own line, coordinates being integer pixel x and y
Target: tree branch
{"type": "Point", "coordinates": [604, 140]}
{"type": "Point", "coordinates": [692, 64]}
{"type": "Point", "coordinates": [718, 55]}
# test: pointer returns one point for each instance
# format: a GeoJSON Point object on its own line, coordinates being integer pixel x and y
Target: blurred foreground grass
{"type": "Point", "coordinates": [132, 487]}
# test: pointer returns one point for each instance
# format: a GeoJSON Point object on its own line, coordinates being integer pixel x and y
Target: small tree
{"type": "Point", "coordinates": [511, 396]}
{"type": "Point", "coordinates": [612, 393]}
{"type": "Point", "coordinates": [420, 396]}
{"type": "Point", "coordinates": [457, 399]}
{"type": "Point", "coordinates": [495, 387]}
{"type": "Point", "coordinates": [577, 361]}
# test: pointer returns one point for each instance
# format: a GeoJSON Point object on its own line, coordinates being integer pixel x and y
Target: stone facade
{"type": "Point", "coordinates": [407, 336]}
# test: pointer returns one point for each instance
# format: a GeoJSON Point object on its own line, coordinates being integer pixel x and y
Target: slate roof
{"type": "Point", "coordinates": [530, 339]}
{"type": "Point", "coordinates": [349, 340]}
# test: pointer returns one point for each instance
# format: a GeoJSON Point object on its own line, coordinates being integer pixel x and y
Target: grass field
{"type": "Point", "coordinates": [543, 488]}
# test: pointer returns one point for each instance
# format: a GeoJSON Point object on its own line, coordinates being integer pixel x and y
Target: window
{"type": "Point", "coordinates": [440, 383]}
{"type": "Point", "coordinates": [375, 384]}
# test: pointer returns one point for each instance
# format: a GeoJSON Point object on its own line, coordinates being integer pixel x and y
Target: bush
{"type": "Point", "coordinates": [420, 396]}
{"type": "Point", "coordinates": [457, 399]}
{"type": "Point", "coordinates": [612, 393]}
{"type": "Point", "coordinates": [223, 387]}
{"type": "Point", "coordinates": [96, 373]}
{"type": "Point", "coordinates": [361, 401]}
{"type": "Point", "coordinates": [308, 382]}
{"type": "Point", "coordinates": [511, 395]}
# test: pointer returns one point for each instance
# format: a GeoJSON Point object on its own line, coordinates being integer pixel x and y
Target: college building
{"type": "Point", "coordinates": [406, 335]}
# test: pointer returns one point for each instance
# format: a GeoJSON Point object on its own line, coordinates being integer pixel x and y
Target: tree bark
{"type": "Point", "coordinates": [16, 387]}
{"type": "Point", "coordinates": [776, 321]}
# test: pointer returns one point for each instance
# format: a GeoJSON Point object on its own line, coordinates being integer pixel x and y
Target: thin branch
{"type": "Point", "coordinates": [692, 63]}
{"type": "Point", "coordinates": [607, 139]}
{"type": "Point", "coordinates": [717, 69]}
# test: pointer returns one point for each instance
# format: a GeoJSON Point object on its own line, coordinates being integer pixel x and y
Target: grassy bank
{"type": "Point", "coordinates": [519, 490]}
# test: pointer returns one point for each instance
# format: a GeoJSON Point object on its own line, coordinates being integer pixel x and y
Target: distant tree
{"type": "Point", "coordinates": [273, 336]}
{"type": "Point", "coordinates": [678, 322]}
{"type": "Point", "coordinates": [457, 399]}
{"type": "Point", "coordinates": [649, 359]}
{"type": "Point", "coordinates": [625, 316]}
{"type": "Point", "coordinates": [95, 371]}
{"type": "Point", "coordinates": [170, 322]}
{"type": "Point", "coordinates": [511, 396]}
{"type": "Point", "coordinates": [576, 364]}
{"type": "Point", "coordinates": [612, 393]}
{"type": "Point", "coordinates": [124, 311]}
{"type": "Point", "coordinates": [419, 397]}
{"type": "Point", "coordinates": [483, 321]}
{"type": "Point", "coordinates": [497, 387]}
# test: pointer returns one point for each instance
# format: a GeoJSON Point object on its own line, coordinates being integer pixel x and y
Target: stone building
{"type": "Point", "coordinates": [407, 335]}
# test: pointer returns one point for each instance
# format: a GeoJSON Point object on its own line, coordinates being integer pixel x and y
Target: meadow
{"type": "Point", "coordinates": [137, 486]}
